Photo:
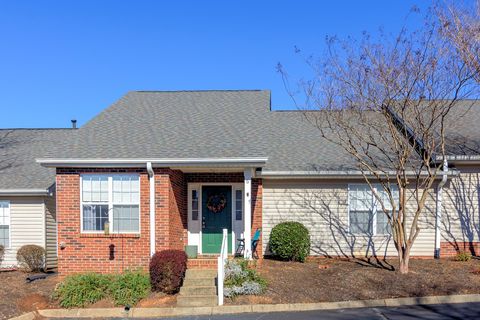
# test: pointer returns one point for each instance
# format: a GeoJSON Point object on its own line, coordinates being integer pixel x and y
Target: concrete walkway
{"type": "Point", "coordinates": [255, 310]}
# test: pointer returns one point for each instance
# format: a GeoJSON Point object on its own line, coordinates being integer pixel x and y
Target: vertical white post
{"type": "Point", "coordinates": [151, 179]}
{"type": "Point", "coordinates": [248, 173]}
{"type": "Point", "coordinates": [438, 218]}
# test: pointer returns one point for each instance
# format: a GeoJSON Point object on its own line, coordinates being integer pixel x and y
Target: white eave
{"type": "Point", "coordinates": [24, 192]}
{"type": "Point", "coordinates": [166, 162]}
{"type": "Point", "coordinates": [461, 159]}
{"type": "Point", "coordinates": [333, 174]}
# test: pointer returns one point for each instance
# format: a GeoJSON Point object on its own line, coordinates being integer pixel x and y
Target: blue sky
{"type": "Point", "coordinates": [61, 60]}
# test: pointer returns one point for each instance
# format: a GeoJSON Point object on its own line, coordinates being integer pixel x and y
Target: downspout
{"type": "Point", "coordinates": [151, 179]}
{"type": "Point", "coordinates": [438, 213]}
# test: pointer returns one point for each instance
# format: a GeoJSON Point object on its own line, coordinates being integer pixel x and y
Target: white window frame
{"type": "Point", "coordinates": [110, 203]}
{"type": "Point", "coordinates": [374, 208]}
{"type": "Point", "coordinates": [9, 223]}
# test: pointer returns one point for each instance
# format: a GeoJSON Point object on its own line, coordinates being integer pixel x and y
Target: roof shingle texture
{"type": "Point", "coordinates": [205, 124]}
{"type": "Point", "coordinates": [18, 150]}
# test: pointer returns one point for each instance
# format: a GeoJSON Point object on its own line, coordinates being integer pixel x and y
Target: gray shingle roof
{"type": "Point", "coordinates": [204, 124]}
{"type": "Point", "coordinates": [18, 150]}
{"type": "Point", "coordinates": [197, 124]}
{"type": "Point", "coordinates": [462, 132]}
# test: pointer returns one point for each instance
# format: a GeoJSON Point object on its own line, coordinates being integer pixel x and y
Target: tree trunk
{"type": "Point", "coordinates": [404, 259]}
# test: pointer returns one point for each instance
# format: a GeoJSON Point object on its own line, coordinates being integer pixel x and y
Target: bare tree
{"type": "Point", "coordinates": [460, 24]}
{"type": "Point", "coordinates": [385, 102]}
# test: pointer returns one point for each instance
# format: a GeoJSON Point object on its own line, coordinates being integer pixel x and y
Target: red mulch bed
{"type": "Point", "coordinates": [17, 296]}
{"type": "Point", "coordinates": [337, 280]}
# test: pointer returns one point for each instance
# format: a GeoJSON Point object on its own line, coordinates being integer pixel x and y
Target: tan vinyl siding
{"type": "Point", "coordinates": [461, 197]}
{"type": "Point", "coordinates": [51, 232]}
{"type": "Point", "coordinates": [322, 206]}
{"type": "Point", "coordinates": [26, 225]}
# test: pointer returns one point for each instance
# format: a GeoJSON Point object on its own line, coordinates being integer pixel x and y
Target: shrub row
{"type": "Point", "coordinates": [83, 289]}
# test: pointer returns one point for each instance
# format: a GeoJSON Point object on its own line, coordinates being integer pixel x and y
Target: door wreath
{"type": "Point", "coordinates": [216, 203]}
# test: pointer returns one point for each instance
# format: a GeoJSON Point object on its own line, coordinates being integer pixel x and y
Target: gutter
{"type": "Point", "coordinates": [346, 174]}
{"type": "Point", "coordinates": [438, 210]}
{"type": "Point", "coordinates": [160, 162]}
{"type": "Point", "coordinates": [24, 192]}
{"type": "Point", "coordinates": [151, 179]}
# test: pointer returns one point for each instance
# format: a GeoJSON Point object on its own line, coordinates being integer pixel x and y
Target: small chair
{"type": "Point", "coordinates": [255, 240]}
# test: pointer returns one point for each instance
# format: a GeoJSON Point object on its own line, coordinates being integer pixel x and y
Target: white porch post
{"type": "Point", "coordinates": [248, 173]}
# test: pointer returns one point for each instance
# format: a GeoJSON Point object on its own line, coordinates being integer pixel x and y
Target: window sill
{"type": "Point", "coordinates": [109, 236]}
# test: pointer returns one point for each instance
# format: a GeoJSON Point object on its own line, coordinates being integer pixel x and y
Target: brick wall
{"type": "Point", "coordinates": [91, 252]}
{"type": "Point", "coordinates": [450, 249]}
{"type": "Point", "coordinates": [257, 197]}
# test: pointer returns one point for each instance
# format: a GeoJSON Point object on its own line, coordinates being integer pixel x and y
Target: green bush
{"type": "Point", "coordinates": [31, 257]}
{"type": "Point", "coordinates": [82, 289]}
{"type": "Point", "coordinates": [463, 256]}
{"type": "Point", "coordinates": [129, 288]}
{"type": "Point", "coordinates": [290, 241]}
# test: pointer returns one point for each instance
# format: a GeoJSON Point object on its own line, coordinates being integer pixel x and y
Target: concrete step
{"type": "Point", "coordinates": [197, 301]}
{"type": "Point", "coordinates": [199, 282]}
{"type": "Point", "coordinates": [198, 291]}
{"type": "Point", "coordinates": [200, 274]}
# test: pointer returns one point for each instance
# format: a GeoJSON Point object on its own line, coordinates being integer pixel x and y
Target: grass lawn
{"type": "Point", "coordinates": [338, 280]}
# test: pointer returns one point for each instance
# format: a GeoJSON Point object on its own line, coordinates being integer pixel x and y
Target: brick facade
{"type": "Point", "coordinates": [79, 252]}
{"type": "Point", "coordinates": [450, 249]}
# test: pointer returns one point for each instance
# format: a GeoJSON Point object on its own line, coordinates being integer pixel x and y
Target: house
{"type": "Point", "coordinates": [27, 192]}
{"type": "Point", "coordinates": [160, 170]}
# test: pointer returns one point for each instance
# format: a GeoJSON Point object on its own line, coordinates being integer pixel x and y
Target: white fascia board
{"type": "Point", "coordinates": [168, 162]}
{"type": "Point", "coordinates": [24, 192]}
{"type": "Point", "coordinates": [348, 174]}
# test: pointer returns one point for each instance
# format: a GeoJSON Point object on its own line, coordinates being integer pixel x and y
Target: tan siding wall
{"type": "Point", "coordinates": [323, 208]}
{"type": "Point", "coordinates": [51, 232]}
{"type": "Point", "coordinates": [461, 217]}
{"type": "Point", "coordinates": [27, 225]}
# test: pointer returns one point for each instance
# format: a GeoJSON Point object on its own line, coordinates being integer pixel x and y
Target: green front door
{"type": "Point", "coordinates": [216, 216]}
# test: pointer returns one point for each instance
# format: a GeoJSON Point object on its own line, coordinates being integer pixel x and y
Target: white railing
{"type": "Point", "coordinates": [221, 266]}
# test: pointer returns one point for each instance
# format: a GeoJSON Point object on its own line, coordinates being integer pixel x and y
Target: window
{"type": "Point", "coordinates": [365, 212]}
{"type": "Point", "coordinates": [110, 199]}
{"type": "Point", "coordinates": [238, 204]}
{"type": "Point", "coordinates": [5, 224]}
{"type": "Point", "coordinates": [194, 205]}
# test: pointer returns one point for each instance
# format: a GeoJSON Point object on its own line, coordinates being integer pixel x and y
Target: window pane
{"type": "Point", "coordinates": [94, 188]}
{"type": "Point", "coordinates": [95, 217]}
{"type": "Point", "coordinates": [126, 189]}
{"type": "Point", "coordinates": [360, 198]}
{"type": "Point", "coordinates": [361, 222]}
{"type": "Point", "coordinates": [194, 205]}
{"type": "Point", "coordinates": [4, 213]}
{"type": "Point", "coordinates": [126, 218]}
{"type": "Point", "coordinates": [382, 223]}
{"type": "Point", "coordinates": [4, 236]}
{"type": "Point", "coordinates": [383, 195]}
{"type": "Point", "coordinates": [238, 204]}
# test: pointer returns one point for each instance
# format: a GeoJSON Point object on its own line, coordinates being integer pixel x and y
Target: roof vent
{"type": "Point", "coordinates": [74, 124]}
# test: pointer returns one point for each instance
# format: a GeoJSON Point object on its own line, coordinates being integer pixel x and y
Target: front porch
{"type": "Point", "coordinates": [208, 202]}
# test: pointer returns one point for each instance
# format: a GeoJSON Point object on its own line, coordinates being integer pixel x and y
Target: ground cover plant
{"type": "Point", "coordinates": [241, 280]}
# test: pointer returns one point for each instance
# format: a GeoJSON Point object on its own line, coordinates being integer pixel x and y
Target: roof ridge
{"type": "Point", "coordinates": [201, 90]}
{"type": "Point", "coordinates": [36, 129]}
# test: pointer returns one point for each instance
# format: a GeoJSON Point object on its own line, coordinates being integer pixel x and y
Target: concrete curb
{"type": "Point", "coordinates": [254, 308]}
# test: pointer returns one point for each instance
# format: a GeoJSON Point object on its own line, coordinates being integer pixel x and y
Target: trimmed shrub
{"type": "Point", "coordinates": [290, 241]}
{"type": "Point", "coordinates": [82, 289]}
{"type": "Point", "coordinates": [463, 256]}
{"type": "Point", "coordinates": [2, 253]}
{"type": "Point", "coordinates": [31, 257]}
{"type": "Point", "coordinates": [167, 270]}
{"type": "Point", "coordinates": [241, 280]}
{"type": "Point", "coordinates": [130, 287]}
